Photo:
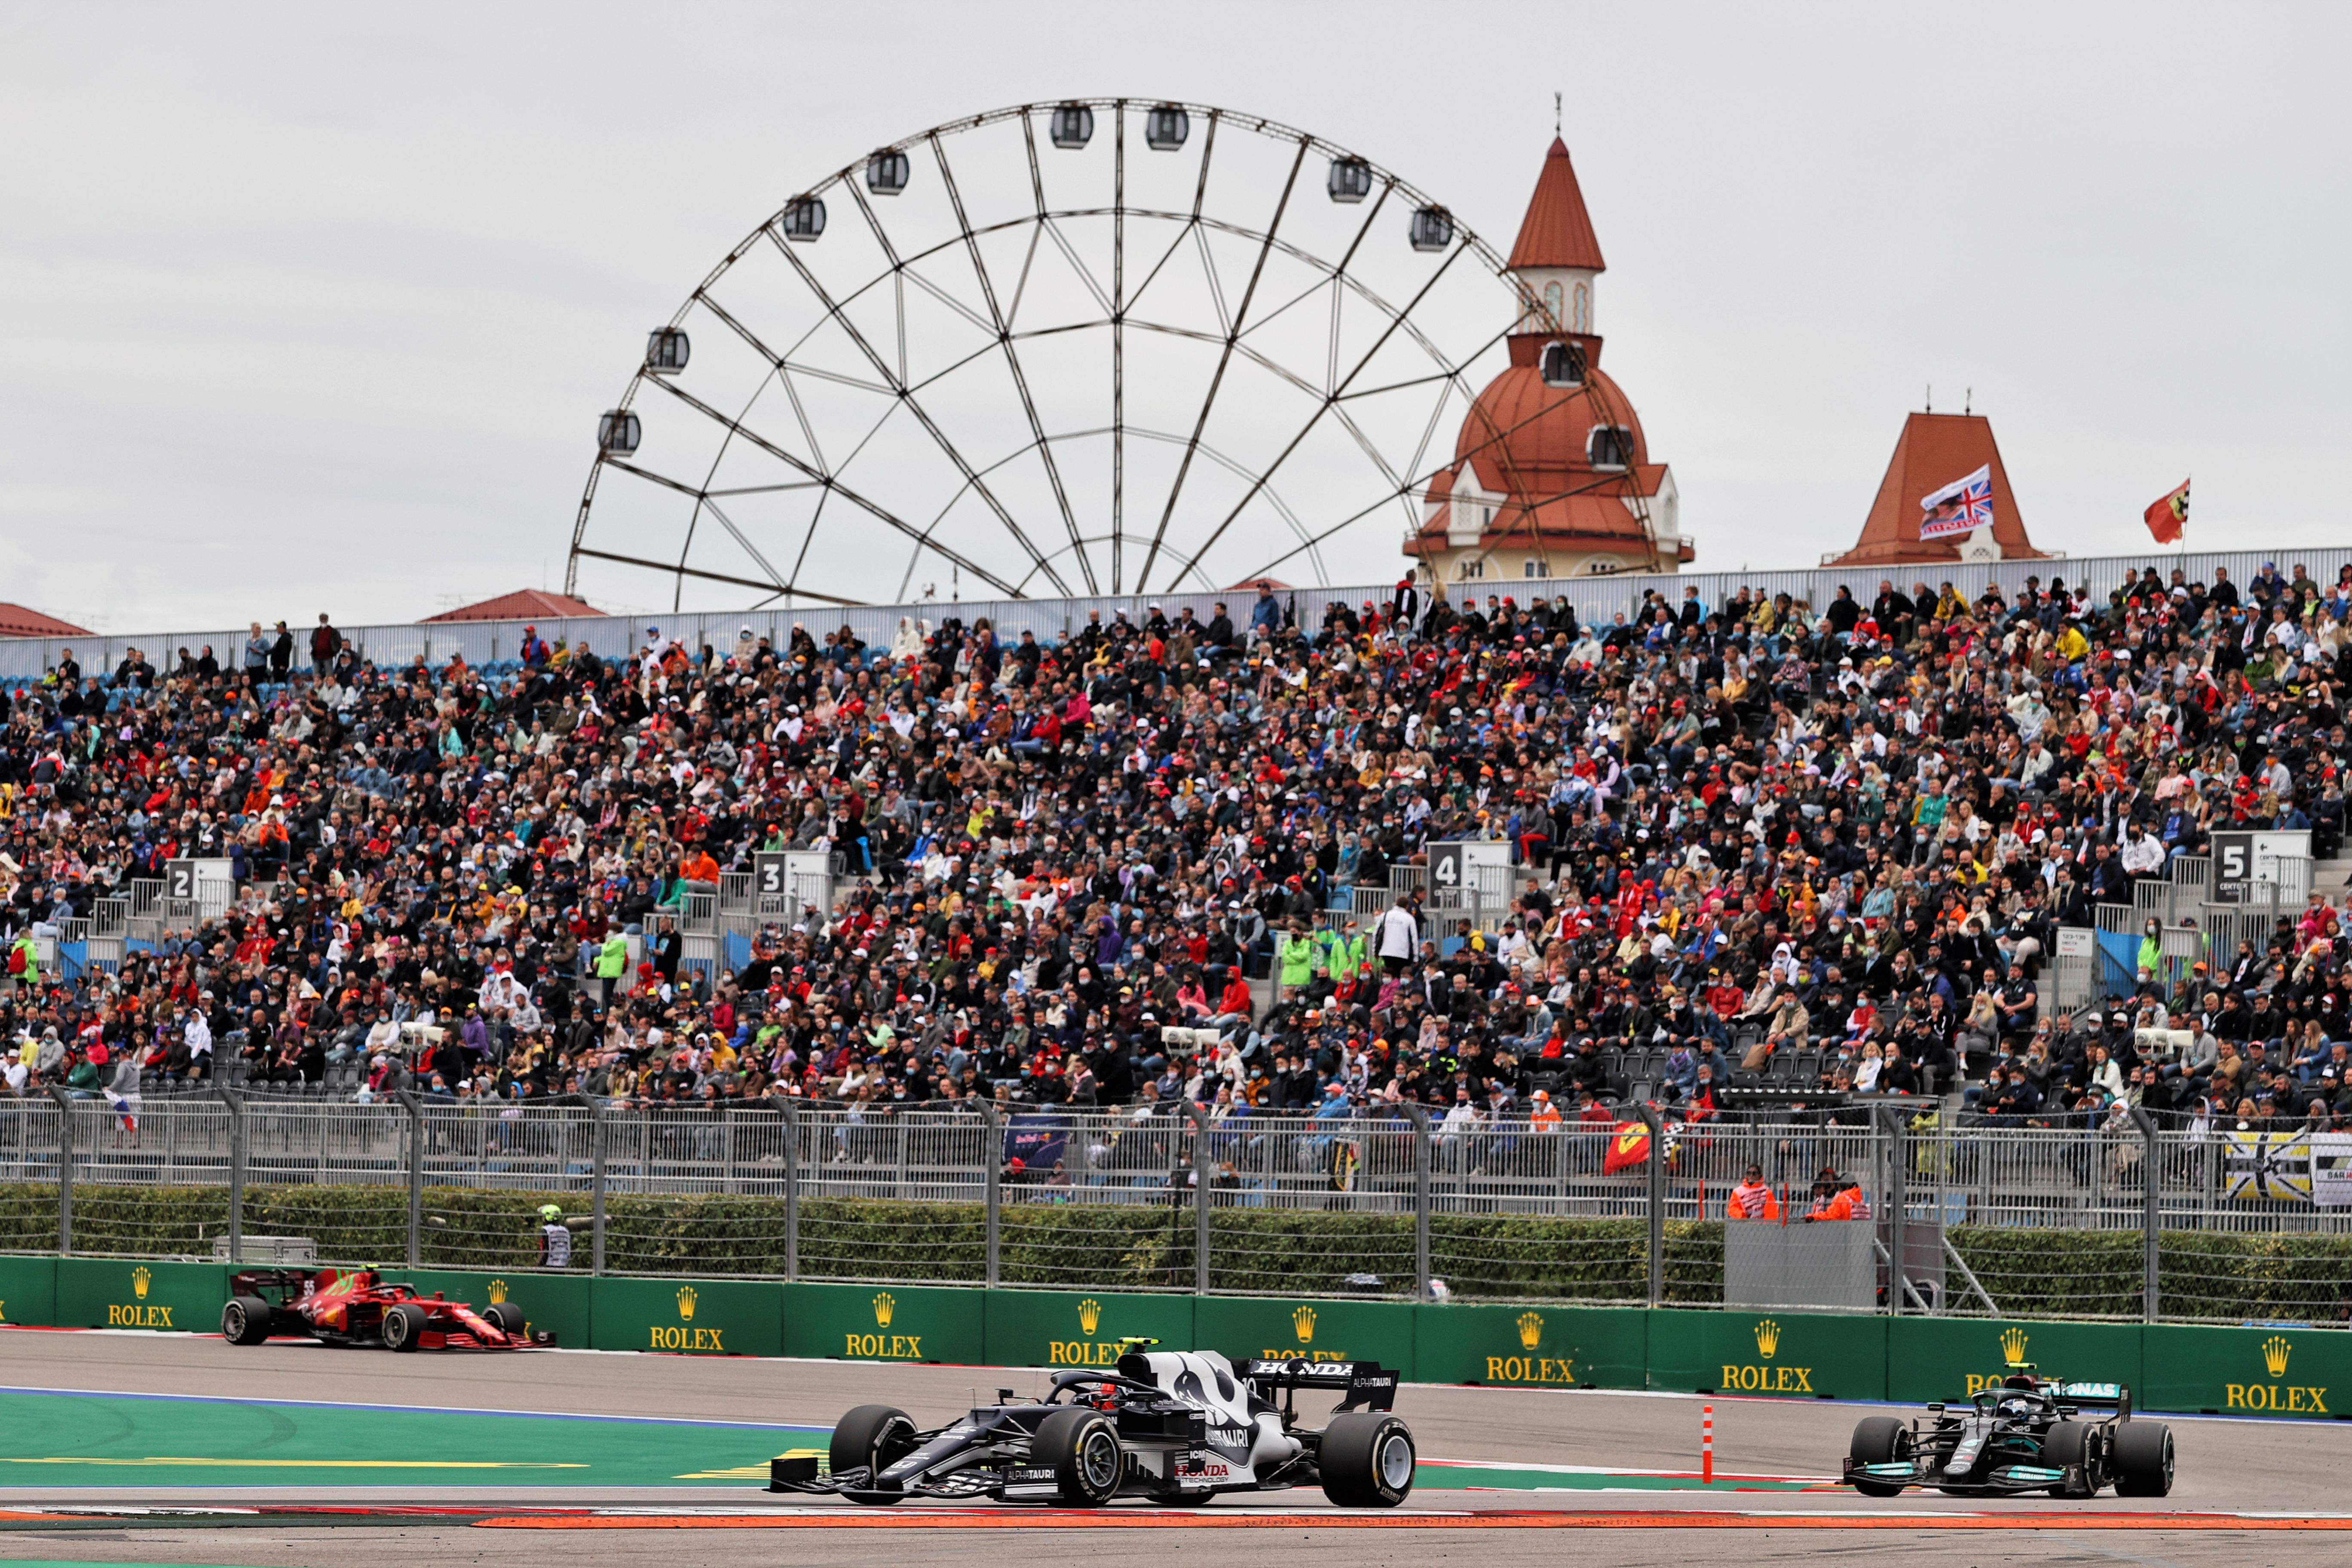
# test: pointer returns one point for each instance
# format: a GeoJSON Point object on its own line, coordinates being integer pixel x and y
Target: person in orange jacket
{"type": "Point", "coordinates": [1753, 1198]}
{"type": "Point", "coordinates": [1837, 1199]}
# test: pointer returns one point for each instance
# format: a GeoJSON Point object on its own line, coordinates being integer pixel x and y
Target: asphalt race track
{"type": "Point", "coordinates": [592, 1458]}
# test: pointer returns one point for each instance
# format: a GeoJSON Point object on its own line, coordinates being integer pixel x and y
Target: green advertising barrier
{"type": "Point", "coordinates": [1063, 1328]}
{"type": "Point", "coordinates": [696, 1317]}
{"type": "Point", "coordinates": [548, 1301]}
{"type": "Point", "coordinates": [29, 1290]}
{"type": "Point", "coordinates": [1554, 1347]}
{"type": "Point", "coordinates": [1803, 1355]}
{"type": "Point", "coordinates": [1952, 1358]}
{"type": "Point", "coordinates": [1280, 1327]}
{"type": "Point", "coordinates": [2247, 1372]}
{"type": "Point", "coordinates": [885, 1322]}
{"type": "Point", "coordinates": [110, 1293]}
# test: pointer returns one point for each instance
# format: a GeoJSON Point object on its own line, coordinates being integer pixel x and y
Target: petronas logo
{"type": "Point", "coordinates": [2013, 1346]}
{"type": "Point", "coordinates": [1089, 1314]}
{"type": "Point", "coordinates": [1768, 1337]}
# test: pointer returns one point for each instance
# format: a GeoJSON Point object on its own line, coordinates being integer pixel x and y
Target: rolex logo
{"type": "Point", "coordinates": [685, 1301]}
{"type": "Point", "coordinates": [1768, 1337]}
{"type": "Point", "coordinates": [1089, 1314]}
{"type": "Point", "coordinates": [884, 1305]}
{"type": "Point", "coordinates": [1530, 1330]}
{"type": "Point", "coordinates": [140, 1280]}
{"type": "Point", "coordinates": [2013, 1346]}
{"type": "Point", "coordinates": [2275, 1353]}
{"type": "Point", "coordinates": [1303, 1320]}
{"type": "Point", "coordinates": [498, 1291]}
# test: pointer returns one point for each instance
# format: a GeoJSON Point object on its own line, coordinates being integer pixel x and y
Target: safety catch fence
{"type": "Point", "coordinates": [2115, 1220]}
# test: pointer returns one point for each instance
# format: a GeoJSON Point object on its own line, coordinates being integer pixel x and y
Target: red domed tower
{"type": "Point", "coordinates": [1552, 473]}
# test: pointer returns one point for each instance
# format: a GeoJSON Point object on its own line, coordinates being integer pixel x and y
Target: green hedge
{"type": "Point", "coordinates": [2218, 1275]}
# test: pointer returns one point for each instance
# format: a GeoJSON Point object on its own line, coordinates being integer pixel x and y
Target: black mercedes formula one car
{"type": "Point", "coordinates": [1172, 1427]}
{"type": "Point", "coordinates": [2019, 1436]}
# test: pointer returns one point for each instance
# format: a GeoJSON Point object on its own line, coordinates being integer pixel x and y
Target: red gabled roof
{"type": "Point", "coordinates": [527, 604]}
{"type": "Point", "coordinates": [17, 621]}
{"type": "Point", "coordinates": [1557, 232]}
{"type": "Point", "coordinates": [1933, 450]}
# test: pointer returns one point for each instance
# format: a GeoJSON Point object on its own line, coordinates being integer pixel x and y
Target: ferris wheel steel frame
{"type": "Point", "coordinates": [1408, 486]}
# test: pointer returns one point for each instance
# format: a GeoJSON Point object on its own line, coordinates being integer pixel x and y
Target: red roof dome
{"type": "Point", "coordinates": [1527, 446]}
{"type": "Point", "coordinates": [1524, 436]}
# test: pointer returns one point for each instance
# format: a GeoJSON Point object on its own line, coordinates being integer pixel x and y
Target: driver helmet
{"type": "Point", "coordinates": [550, 1213]}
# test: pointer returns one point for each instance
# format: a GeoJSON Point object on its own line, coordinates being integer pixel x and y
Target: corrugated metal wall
{"type": "Point", "coordinates": [1595, 598]}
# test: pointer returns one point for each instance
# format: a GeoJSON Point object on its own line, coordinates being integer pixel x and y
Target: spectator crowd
{"type": "Point", "coordinates": [1761, 844]}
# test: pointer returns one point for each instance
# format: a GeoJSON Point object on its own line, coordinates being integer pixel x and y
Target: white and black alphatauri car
{"type": "Point", "coordinates": [1166, 1427]}
{"type": "Point", "coordinates": [2023, 1434]}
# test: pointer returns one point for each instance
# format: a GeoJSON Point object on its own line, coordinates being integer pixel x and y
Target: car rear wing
{"type": "Point", "coordinates": [2098, 1395]}
{"type": "Point", "coordinates": [1367, 1384]}
{"type": "Point", "coordinates": [255, 1281]}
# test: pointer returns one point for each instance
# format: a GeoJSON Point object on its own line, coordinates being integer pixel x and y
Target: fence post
{"type": "Point", "coordinates": [1657, 1201]}
{"type": "Point", "coordinates": [1419, 1116]}
{"type": "Point", "coordinates": [992, 1193]}
{"type": "Point", "coordinates": [1897, 1200]}
{"type": "Point", "coordinates": [1201, 1191]}
{"type": "Point", "coordinates": [65, 1169]}
{"type": "Point", "coordinates": [236, 1171]}
{"type": "Point", "coordinates": [415, 1108]}
{"type": "Point", "coordinates": [597, 1144]}
{"type": "Point", "coordinates": [2151, 1185]}
{"type": "Point", "coordinates": [792, 1189]}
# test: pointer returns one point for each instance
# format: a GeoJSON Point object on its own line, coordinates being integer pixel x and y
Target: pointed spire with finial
{"type": "Point", "coordinates": [1557, 232]}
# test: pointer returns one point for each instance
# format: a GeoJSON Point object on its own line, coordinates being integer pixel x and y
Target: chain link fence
{"type": "Point", "coordinates": [2117, 1221]}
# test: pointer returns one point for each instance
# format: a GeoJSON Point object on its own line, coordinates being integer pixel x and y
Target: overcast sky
{"type": "Point", "coordinates": [311, 308]}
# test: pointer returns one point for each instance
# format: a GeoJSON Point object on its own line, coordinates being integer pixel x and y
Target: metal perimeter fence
{"type": "Point", "coordinates": [2122, 1222]}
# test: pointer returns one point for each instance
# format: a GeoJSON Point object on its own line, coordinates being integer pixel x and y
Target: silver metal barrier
{"type": "Point", "coordinates": [2114, 1220]}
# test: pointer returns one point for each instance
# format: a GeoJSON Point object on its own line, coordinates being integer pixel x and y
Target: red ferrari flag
{"type": "Point", "coordinates": [2168, 517]}
{"type": "Point", "coordinates": [1629, 1145]}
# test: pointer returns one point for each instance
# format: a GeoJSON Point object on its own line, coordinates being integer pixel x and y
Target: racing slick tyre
{"type": "Point", "coordinates": [871, 1437]}
{"type": "Point", "coordinates": [403, 1326]}
{"type": "Point", "coordinates": [2141, 1454]}
{"type": "Point", "coordinates": [2068, 1445]}
{"type": "Point", "coordinates": [245, 1321]}
{"type": "Point", "coordinates": [504, 1317]}
{"type": "Point", "coordinates": [1081, 1445]}
{"type": "Point", "coordinates": [1366, 1460]}
{"type": "Point", "coordinates": [1880, 1440]}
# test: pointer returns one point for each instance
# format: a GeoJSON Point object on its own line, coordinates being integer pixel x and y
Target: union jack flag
{"type": "Point", "coordinates": [1960, 506]}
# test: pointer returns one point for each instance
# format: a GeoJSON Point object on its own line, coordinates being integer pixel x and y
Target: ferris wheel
{"type": "Point", "coordinates": [1100, 346]}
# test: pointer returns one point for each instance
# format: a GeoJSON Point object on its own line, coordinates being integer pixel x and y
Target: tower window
{"type": "Point", "coordinates": [1609, 446]}
{"type": "Point", "coordinates": [1563, 365]}
{"type": "Point", "coordinates": [1551, 303]}
{"type": "Point", "coordinates": [1582, 321]}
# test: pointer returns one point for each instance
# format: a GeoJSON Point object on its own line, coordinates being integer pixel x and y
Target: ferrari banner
{"type": "Point", "coordinates": [2272, 1166]}
{"type": "Point", "coordinates": [1629, 1146]}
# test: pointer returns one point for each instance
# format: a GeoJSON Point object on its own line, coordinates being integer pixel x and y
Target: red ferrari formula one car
{"type": "Point", "coordinates": [362, 1308]}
